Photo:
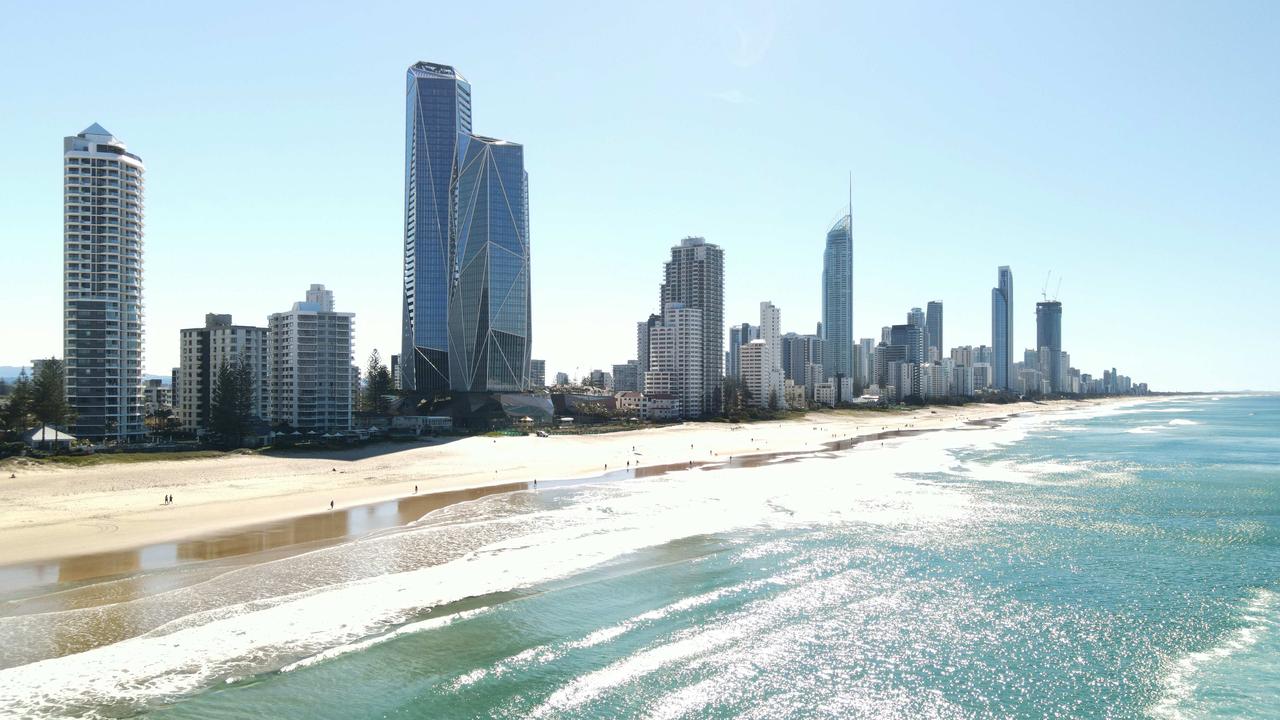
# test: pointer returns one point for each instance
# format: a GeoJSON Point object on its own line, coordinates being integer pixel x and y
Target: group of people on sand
{"type": "Point", "coordinates": [168, 499]}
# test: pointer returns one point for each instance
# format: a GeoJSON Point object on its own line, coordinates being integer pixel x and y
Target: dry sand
{"type": "Point", "coordinates": [50, 511]}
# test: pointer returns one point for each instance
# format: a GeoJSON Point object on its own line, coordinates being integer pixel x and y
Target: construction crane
{"type": "Point", "coordinates": [1044, 290]}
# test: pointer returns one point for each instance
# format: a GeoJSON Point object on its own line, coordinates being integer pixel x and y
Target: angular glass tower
{"type": "Point", "coordinates": [837, 300]}
{"type": "Point", "coordinates": [1002, 330]}
{"type": "Point", "coordinates": [489, 312]}
{"type": "Point", "coordinates": [437, 126]}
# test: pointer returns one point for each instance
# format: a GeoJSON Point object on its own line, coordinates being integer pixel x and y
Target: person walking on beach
{"type": "Point", "coordinates": [330, 504]}
{"type": "Point", "coordinates": [415, 489]}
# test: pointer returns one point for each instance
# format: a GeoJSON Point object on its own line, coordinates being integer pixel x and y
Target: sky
{"type": "Point", "coordinates": [1130, 149]}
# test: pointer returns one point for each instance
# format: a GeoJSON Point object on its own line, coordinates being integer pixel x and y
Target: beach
{"type": "Point", "coordinates": [1004, 562]}
{"type": "Point", "coordinates": [49, 511]}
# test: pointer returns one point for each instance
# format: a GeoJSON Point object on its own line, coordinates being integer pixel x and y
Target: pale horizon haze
{"type": "Point", "coordinates": [1131, 149]}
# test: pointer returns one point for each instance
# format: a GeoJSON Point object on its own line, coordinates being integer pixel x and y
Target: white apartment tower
{"type": "Point", "coordinates": [676, 358]}
{"type": "Point", "coordinates": [694, 278]}
{"type": "Point", "coordinates": [769, 393]}
{"type": "Point", "coordinates": [309, 353]}
{"type": "Point", "coordinates": [202, 353]}
{"type": "Point", "coordinates": [102, 285]}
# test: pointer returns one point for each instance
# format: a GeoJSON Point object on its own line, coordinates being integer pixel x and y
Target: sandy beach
{"type": "Point", "coordinates": [49, 511]}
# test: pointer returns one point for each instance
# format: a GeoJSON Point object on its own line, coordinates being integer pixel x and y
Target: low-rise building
{"type": "Point", "coordinates": [824, 393]}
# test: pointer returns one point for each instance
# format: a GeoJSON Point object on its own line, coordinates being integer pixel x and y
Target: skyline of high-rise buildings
{"type": "Point", "coordinates": [466, 275]}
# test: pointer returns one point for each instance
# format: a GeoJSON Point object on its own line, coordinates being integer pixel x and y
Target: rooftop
{"type": "Point", "coordinates": [434, 70]}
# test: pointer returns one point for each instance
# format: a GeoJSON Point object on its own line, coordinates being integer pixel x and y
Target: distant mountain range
{"type": "Point", "coordinates": [10, 373]}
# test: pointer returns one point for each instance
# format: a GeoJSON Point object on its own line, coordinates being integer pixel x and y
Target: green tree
{"type": "Point", "coordinates": [378, 385]}
{"type": "Point", "coordinates": [49, 394]}
{"type": "Point", "coordinates": [231, 407]}
{"type": "Point", "coordinates": [17, 412]}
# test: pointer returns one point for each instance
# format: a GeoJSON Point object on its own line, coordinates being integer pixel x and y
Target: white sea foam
{"type": "Point", "coordinates": [1186, 676]}
{"type": "Point", "coordinates": [1182, 421]}
{"type": "Point", "coordinates": [1144, 430]}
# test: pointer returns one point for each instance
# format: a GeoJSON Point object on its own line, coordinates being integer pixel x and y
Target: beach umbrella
{"type": "Point", "coordinates": [296, 433]}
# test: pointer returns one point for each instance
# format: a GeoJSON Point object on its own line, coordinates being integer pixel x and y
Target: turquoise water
{"type": "Point", "coordinates": [1120, 562]}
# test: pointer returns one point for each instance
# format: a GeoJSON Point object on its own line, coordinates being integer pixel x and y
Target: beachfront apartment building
{"type": "Point", "coordinates": [202, 352]}
{"type": "Point", "coordinates": [693, 279]}
{"type": "Point", "coordinates": [102, 330]}
{"type": "Point", "coordinates": [310, 365]}
{"type": "Point", "coordinates": [676, 359]}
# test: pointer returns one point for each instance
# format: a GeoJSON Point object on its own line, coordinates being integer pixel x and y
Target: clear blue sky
{"type": "Point", "coordinates": [1131, 148]}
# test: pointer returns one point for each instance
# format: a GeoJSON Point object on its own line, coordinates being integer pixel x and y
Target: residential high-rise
{"type": "Point", "coordinates": [739, 335]}
{"type": "Point", "coordinates": [837, 299]}
{"type": "Point", "coordinates": [865, 365]}
{"type": "Point", "coordinates": [755, 373]}
{"type": "Point", "coordinates": [1049, 335]}
{"type": "Point", "coordinates": [489, 309]}
{"type": "Point", "coordinates": [1002, 331]}
{"type": "Point", "coordinates": [916, 317]}
{"type": "Point", "coordinates": [437, 125]}
{"type": "Point", "coordinates": [102, 333]}
{"type": "Point", "coordinates": [694, 279]}
{"type": "Point", "coordinates": [677, 358]}
{"type": "Point", "coordinates": [310, 364]}
{"type": "Point", "coordinates": [798, 353]}
{"type": "Point", "coordinates": [203, 351]}
{"type": "Point", "coordinates": [627, 377]}
{"type": "Point", "coordinates": [537, 374]}
{"type": "Point", "coordinates": [642, 343]}
{"type": "Point", "coordinates": [910, 336]}
{"type": "Point", "coordinates": [770, 391]}
{"type": "Point", "coordinates": [933, 330]}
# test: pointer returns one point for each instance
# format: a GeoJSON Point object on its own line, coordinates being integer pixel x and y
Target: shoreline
{"type": "Point", "coordinates": [60, 513]}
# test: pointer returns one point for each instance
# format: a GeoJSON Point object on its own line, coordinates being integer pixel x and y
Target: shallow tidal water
{"type": "Point", "coordinates": [1116, 562]}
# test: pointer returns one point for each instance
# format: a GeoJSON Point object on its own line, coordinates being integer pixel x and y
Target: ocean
{"type": "Point", "coordinates": [1121, 561]}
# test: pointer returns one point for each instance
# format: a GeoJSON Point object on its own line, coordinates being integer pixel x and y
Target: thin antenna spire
{"type": "Point", "coordinates": [850, 202]}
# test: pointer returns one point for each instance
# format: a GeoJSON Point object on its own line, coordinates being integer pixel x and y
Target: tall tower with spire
{"type": "Point", "coordinates": [837, 297]}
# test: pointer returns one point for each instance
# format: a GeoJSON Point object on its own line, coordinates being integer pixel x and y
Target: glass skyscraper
{"type": "Point", "coordinates": [1002, 330]}
{"type": "Point", "coordinates": [489, 312]}
{"type": "Point", "coordinates": [837, 300]}
{"type": "Point", "coordinates": [933, 330]}
{"type": "Point", "coordinates": [437, 128]}
{"type": "Point", "coordinates": [1049, 335]}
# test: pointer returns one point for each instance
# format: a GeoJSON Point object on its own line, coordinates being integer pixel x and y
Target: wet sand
{"type": "Point", "coordinates": [99, 519]}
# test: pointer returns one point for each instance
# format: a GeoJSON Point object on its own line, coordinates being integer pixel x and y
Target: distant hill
{"type": "Point", "coordinates": [10, 373]}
